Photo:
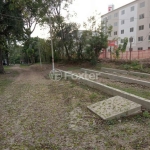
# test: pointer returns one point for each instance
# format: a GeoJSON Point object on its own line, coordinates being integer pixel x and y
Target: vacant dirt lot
{"type": "Point", "coordinates": [37, 113]}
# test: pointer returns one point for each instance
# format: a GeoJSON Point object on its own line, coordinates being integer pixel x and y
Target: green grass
{"type": "Point", "coordinates": [7, 78]}
{"type": "Point", "coordinates": [7, 67]}
{"type": "Point", "coordinates": [132, 90]}
{"type": "Point", "coordinates": [24, 65]}
{"type": "Point", "coordinates": [3, 84]}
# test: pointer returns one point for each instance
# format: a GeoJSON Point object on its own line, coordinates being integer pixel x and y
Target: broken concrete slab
{"type": "Point", "coordinates": [115, 107]}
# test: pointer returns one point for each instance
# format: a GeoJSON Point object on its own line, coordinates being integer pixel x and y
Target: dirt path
{"type": "Point", "coordinates": [29, 75]}
{"type": "Point", "coordinates": [41, 114]}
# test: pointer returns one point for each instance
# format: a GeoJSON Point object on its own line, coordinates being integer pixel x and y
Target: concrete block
{"type": "Point", "coordinates": [115, 107]}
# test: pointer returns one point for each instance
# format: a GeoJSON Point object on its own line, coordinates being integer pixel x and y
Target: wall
{"type": "Point", "coordinates": [135, 55]}
{"type": "Point", "coordinates": [146, 21]}
{"type": "Point", "coordinates": [126, 27]}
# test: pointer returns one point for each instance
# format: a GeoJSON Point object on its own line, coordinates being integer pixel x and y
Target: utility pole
{"type": "Point", "coordinates": [131, 40]}
{"type": "Point", "coordinates": [106, 33]}
{"type": "Point", "coordinates": [51, 35]}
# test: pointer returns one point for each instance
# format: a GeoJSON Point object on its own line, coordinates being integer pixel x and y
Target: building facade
{"type": "Point", "coordinates": [131, 20]}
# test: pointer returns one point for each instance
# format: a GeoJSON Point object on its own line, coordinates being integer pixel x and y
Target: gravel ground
{"type": "Point", "coordinates": [37, 113]}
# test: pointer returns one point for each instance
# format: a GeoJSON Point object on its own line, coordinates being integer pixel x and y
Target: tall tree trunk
{"type": "Point", "coordinates": [7, 58]}
{"type": "Point", "coordinates": [67, 53]}
{"type": "Point", "coordinates": [1, 64]}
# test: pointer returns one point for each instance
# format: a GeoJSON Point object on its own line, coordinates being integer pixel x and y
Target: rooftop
{"type": "Point", "coordinates": [120, 8]}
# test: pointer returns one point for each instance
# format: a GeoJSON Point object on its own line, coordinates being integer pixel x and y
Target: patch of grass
{"type": "Point", "coordinates": [7, 78]}
{"type": "Point", "coordinates": [7, 67]}
{"type": "Point", "coordinates": [146, 114]}
{"type": "Point", "coordinates": [93, 96]}
{"type": "Point", "coordinates": [24, 65]}
{"type": "Point", "coordinates": [140, 143]}
{"type": "Point", "coordinates": [3, 84]}
{"type": "Point", "coordinates": [133, 66]}
{"type": "Point", "coordinates": [41, 146]}
{"type": "Point", "coordinates": [136, 91]}
{"type": "Point", "coordinates": [141, 93]}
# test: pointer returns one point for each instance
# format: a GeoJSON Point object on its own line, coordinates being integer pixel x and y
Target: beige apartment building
{"type": "Point", "coordinates": [131, 20]}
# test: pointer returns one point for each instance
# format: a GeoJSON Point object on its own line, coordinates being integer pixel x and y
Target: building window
{"type": "Point", "coordinates": [122, 31]}
{"type": "Point", "coordinates": [115, 33]}
{"type": "Point", "coordinates": [115, 24]}
{"type": "Point", "coordinates": [141, 16]}
{"type": "Point", "coordinates": [148, 48]}
{"type": "Point", "coordinates": [131, 19]}
{"type": "Point", "coordinates": [122, 21]}
{"type": "Point", "coordinates": [140, 38]}
{"type": "Point", "coordinates": [140, 48]}
{"type": "Point", "coordinates": [122, 12]}
{"type": "Point", "coordinates": [132, 8]}
{"type": "Point", "coordinates": [116, 15]}
{"type": "Point", "coordinates": [149, 38]}
{"type": "Point", "coordinates": [142, 4]}
{"type": "Point", "coordinates": [131, 29]}
{"type": "Point", "coordinates": [141, 27]}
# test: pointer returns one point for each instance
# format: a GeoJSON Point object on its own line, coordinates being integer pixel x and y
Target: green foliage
{"type": "Point", "coordinates": [97, 39]}
{"type": "Point", "coordinates": [93, 96]}
{"type": "Point", "coordinates": [126, 66]}
{"type": "Point", "coordinates": [135, 65]}
{"type": "Point", "coordinates": [121, 48]}
{"type": "Point", "coordinates": [146, 114]}
{"type": "Point", "coordinates": [69, 42]}
{"type": "Point", "coordinates": [11, 27]}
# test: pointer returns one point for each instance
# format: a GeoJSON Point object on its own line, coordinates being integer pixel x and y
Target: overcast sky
{"type": "Point", "coordinates": [85, 9]}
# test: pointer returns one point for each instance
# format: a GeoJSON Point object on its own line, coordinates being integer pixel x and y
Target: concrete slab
{"type": "Point", "coordinates": [115, 107]}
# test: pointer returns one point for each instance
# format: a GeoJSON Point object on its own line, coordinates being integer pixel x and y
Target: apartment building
{"type": "Point", "coordinates": [131, 20]}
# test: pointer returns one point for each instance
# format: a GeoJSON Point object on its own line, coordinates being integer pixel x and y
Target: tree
{"type": "Point", "coordinates": [31, 50]}
{"type": "Point", "coordinates": [98, 39]}
{"type": "Point", "coordinates": [121, 48]}
{"type": "Point", "coordinates": [11, 25]}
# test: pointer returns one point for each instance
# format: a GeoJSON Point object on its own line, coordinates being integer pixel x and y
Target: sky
{"type": "Point", "coordinates": [84, 9]}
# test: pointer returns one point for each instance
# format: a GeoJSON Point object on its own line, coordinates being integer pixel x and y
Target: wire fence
{"type": "Point", "coordinates": [135, 55]}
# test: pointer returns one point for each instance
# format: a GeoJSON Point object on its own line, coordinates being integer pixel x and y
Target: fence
{"type": "Point", "coordinates": [140, 54]}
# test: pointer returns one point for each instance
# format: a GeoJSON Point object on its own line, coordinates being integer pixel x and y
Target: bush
{"type": "Point", "coordinates": [93, 61]}
{"type": "Point", "coordinates": [134, 63]}
{"type": "Point", "coordinates": [127, 67]}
